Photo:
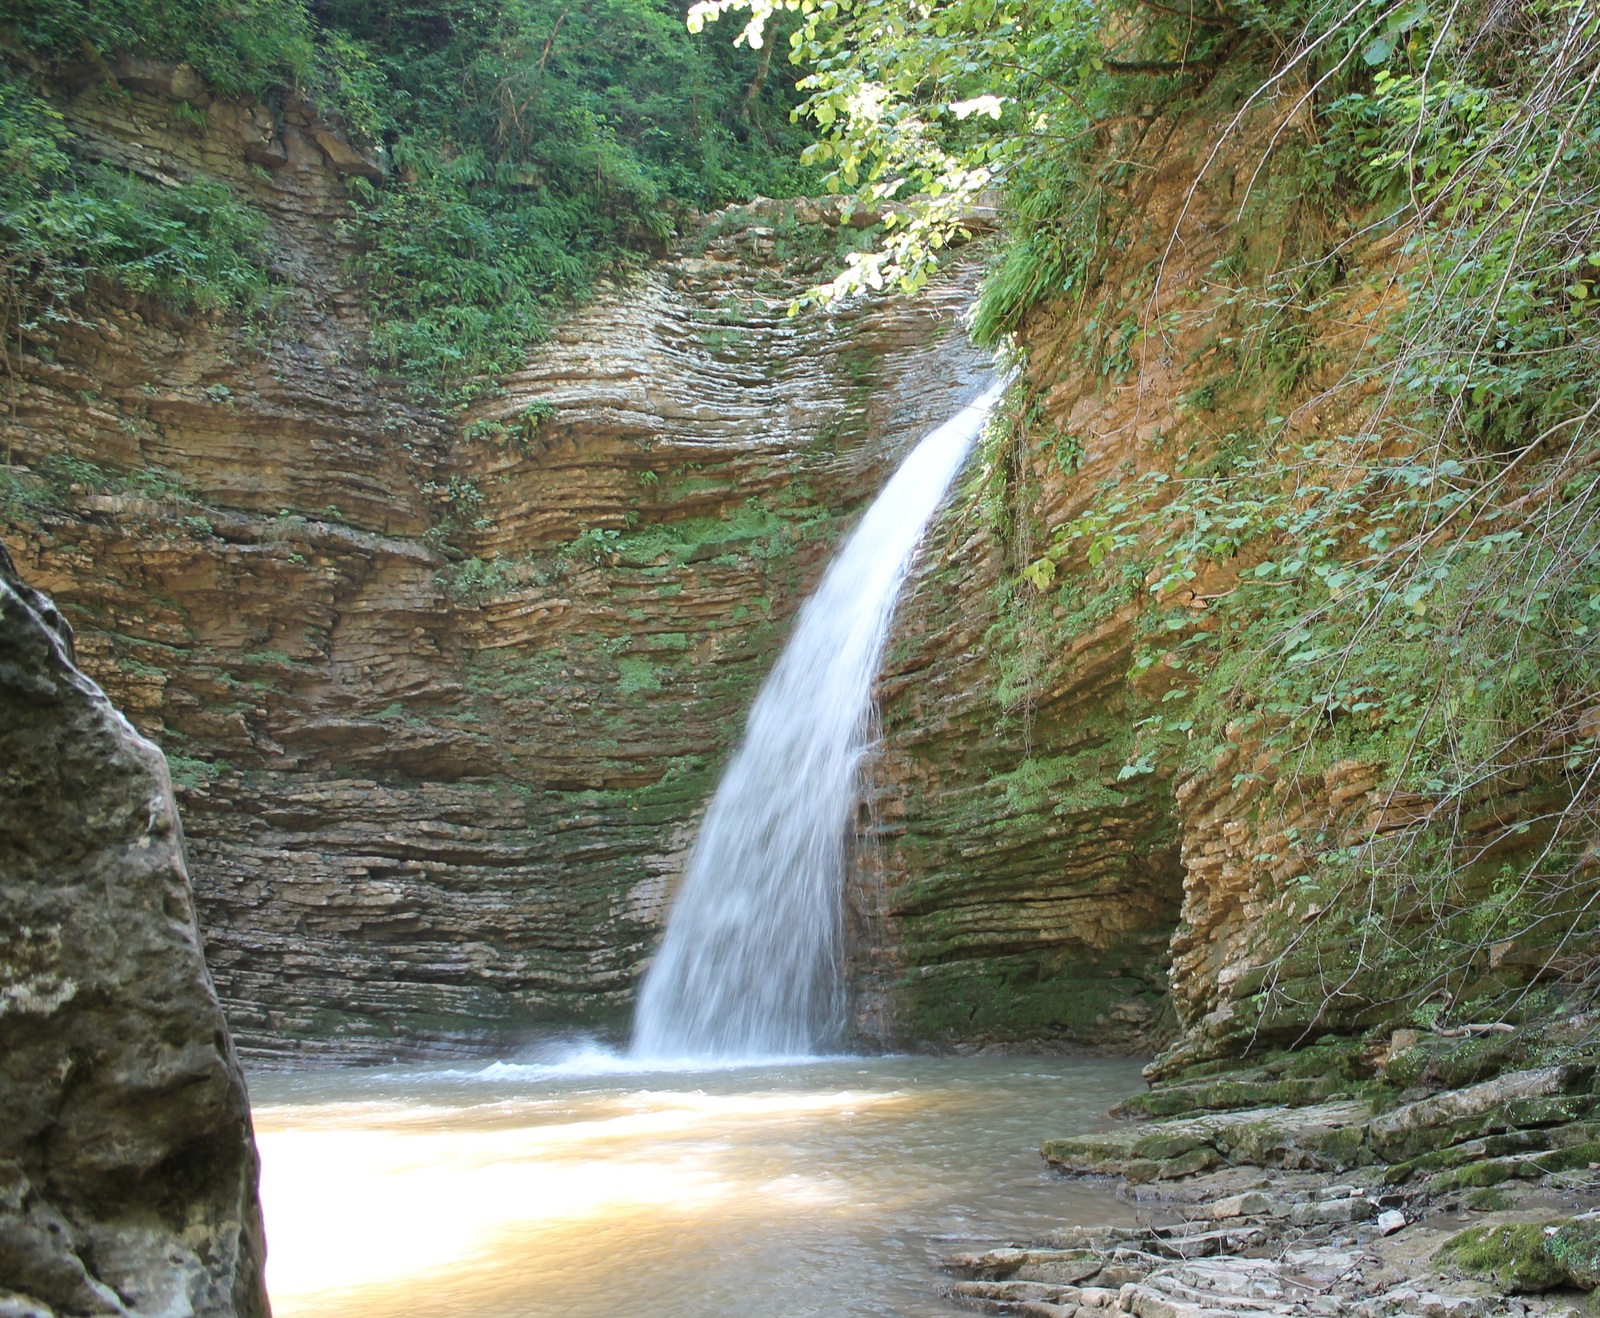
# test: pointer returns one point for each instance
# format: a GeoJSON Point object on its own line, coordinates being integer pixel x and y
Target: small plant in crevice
{"type": "Point", "coordinates": [477, 579]}
{"type": "Point", "coordinates": [520, 432]}
{"type": "Point", "coordinates": [461, 503]}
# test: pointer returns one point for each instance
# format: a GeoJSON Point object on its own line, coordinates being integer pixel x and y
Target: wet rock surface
{"type": "Point", "coordinates": [1305, 1248]}
{"type": "Point", "coordinates": [127, 1165]}
{"type": "Point", "coordinates": [1457, 1202]}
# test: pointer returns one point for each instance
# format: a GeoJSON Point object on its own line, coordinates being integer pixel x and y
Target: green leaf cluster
{"type": "Point", "coordinates": [239, 47]}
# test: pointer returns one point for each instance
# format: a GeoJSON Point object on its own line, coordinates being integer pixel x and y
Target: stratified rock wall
{"type": "Point", "coordinates": [443, 700]}
{"type": "Point", "coordinates": [1051, 801]}
{"type": "Point", "coordinates": [1023, 866]}
{"type": "Point", "coordinates": [1014, 883]}
{"type": "Point", "coordinates": [127, 1164]}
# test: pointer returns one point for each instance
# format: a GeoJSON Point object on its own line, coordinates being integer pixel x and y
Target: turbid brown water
{"type": "Point", "coordinates": [584, 1189]}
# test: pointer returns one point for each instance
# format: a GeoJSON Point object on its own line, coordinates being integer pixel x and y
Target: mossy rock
{"type": "Point", "coordinates": [1576, 1247]}
{"type": "Point", "coordinates": [1162, 1145]}
{"type": "Point", "coordinates": [1192, 1163]}
{"type": "Point", "coordinates": [1453, 1064]}
{"type": "Point", "coordinates": [1529, 1256]}
{"type": "Point", "coordinates": [1231, 1094]}
{"type": "Point", "coordinates": [1493, 1146]}
{"type": "Point", "coordinates": [1494, 1171]}
{"type": "Point", "coordinates": [1328, 1061]}
{"type": "Point", "coordinates": [1575, 1155]}
{"type": "Point", "coordinates": [1282, 1142]}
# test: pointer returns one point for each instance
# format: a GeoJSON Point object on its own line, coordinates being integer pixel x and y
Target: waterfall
{"type": "Point", "coordinates": [750, 964]}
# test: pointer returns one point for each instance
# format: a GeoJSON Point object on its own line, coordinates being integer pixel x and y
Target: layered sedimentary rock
{"type": "Point", "coordinates": [127, 1165]}
{"type": "Point", "coordinates": [445, 694]}
{"type": "Point", "coordinates": [443, 697]}
{"type": "Point", "coordinates": [1016, 883]}
{"type": "Point", "coordinates": [1026, 859]}
{"type": "Point", "coordinates": [1046, 805]}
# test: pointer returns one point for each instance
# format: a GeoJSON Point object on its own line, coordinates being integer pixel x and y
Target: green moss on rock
{"type": "Point", "coordinates": [1528, 1256]}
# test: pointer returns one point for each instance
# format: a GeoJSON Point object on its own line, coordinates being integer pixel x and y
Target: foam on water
{"type": "Point", "coordinates": [749, 968]}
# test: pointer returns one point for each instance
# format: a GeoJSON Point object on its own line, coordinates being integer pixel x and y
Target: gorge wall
{"type": "Point", "coordinates": [443, 700]}
{"type": "Point", "coordinates": [1081, 825]}
{"type": "Point", "coordinates": [444, 696]}
{"type": "Point", "coordinates": [1027, 872]}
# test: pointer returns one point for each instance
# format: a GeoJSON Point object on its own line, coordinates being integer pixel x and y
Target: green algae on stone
{"type": "Point", "coordinates": [1529, 1256]}
{"type": "Point", "coordinates": [1576, 1247]}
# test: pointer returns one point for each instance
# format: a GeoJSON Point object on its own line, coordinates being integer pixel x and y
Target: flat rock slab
{"type": "Point", "coordinates": [1326, 1137]}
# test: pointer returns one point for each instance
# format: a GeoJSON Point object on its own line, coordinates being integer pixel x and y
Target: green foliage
{"type": "Point", "coordinates": [753, 529]}
{"type": "Point", "coordinates": [637, 675]}
{"type": "Point", "coordinates": [63, 223]}
{"type": "Point", "coordinates": [1515, 1255]}
{"type": "Point", "coordinates": [538, 145]}
{"type": "Point", "coordinates": [519, 432]}
{"type": "Point", "coordinates": [459, 509]}
{"type": "Point", "coordinates": [534, 145]}
{"type": "Point", "coordinates": [189, 772]}
{"type": "Point", "coordinates": [1421, 594]}
{"type": "Point", "coordinates": [929, 111]}
{"type": "Point", "coordinates": [478, 578]}
{"type": "Point", "coordinates": [240, 47]}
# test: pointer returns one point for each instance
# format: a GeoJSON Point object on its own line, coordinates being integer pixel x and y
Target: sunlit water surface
{"type": "Point", "coordinates": [585, 1188]}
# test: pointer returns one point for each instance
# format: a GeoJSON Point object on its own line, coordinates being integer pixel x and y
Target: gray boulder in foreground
{"type": "Point", "coordinates": [127, 1163]}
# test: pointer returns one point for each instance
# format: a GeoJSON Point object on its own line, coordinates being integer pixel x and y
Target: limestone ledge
{"type": "Point", "coordinates": [1468, 1201]}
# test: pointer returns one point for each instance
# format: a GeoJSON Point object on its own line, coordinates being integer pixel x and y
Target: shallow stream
{"type": "Point", "coordinates": [585, 1189]}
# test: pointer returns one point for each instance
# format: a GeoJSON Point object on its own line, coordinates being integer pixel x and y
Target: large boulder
{"type": "Point", "coordinates": [127, 1163]}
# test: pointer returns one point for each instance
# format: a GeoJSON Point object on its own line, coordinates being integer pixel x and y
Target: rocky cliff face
{"type": "Point", "coordinates": [1042, 822]}
{"type": "Point", "coordinates": [443, 700]}
{"type": "Point", "coordinates": [1016, 884]}
{"type": "Point", "coordinates": [1025, 862]}
{"type": "Point", "coordinates": [127, 1166]}
{"type": "Point", "coordinates": [444, 696]}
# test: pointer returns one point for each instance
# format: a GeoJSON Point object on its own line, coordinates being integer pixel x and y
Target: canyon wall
{"type": "Point", "coordinates": [1015, 884]}
{"type": "Point", "coordinates": [1064, 838]}
{"type": "Point", "coordinates": [443, 697]}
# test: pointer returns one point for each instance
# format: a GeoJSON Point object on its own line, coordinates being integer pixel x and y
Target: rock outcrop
{"type": "Point", "coordinates": [127, 1166]}
{"type": "Point", "coordinates": [1067, 838]}
{"type": "Point", "coordinates": [444, 694]}
{"type": "Point", "coordinates": [1333, 1181]}
{"type": "Point", "coordinates": [1017, 882]}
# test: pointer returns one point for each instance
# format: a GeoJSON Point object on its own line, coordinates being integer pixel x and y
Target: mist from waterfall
{"type": "Point", "coordinates": [750, 963]}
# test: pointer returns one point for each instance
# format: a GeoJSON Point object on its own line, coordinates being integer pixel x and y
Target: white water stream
{"type": "Point", "coordinates": [749, 966]}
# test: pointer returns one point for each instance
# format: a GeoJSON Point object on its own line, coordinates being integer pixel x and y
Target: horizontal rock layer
{"type": "Point", "coordinates": [444, 698]}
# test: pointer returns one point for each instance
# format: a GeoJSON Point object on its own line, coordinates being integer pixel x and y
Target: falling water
{"type": "Point", "coordinates": [749, 966]}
